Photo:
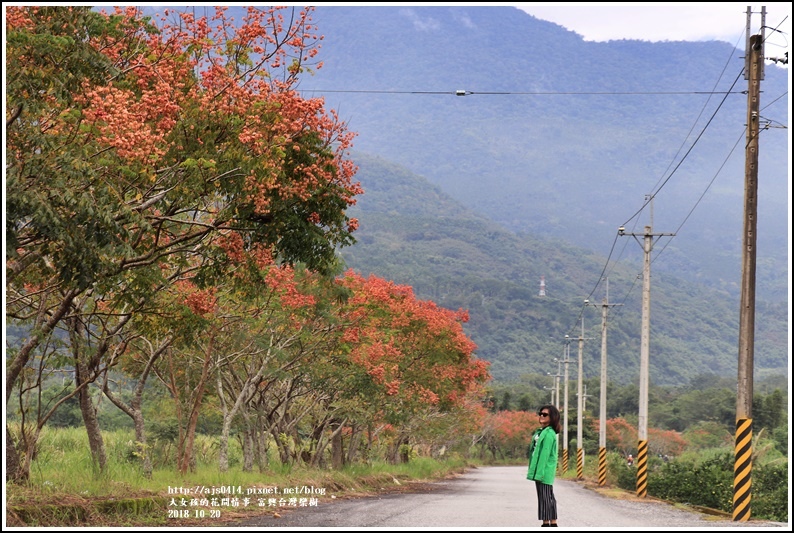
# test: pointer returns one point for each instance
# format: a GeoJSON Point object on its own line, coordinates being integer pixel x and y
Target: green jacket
{"type": "Point", "coordinates": [543, 455]}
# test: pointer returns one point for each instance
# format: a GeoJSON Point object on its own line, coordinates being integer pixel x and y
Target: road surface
{"type": "Point", "coordinates": [494, 497]}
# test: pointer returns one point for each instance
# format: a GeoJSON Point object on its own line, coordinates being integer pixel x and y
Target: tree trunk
{"type": "Point", "coordinates": [43, 328]}
{"type": "Point", "coordinates": [248, 451]}
{"type": "Point", "coordinates": [186, 446]}
{"type": "Point", "coordinates": [240, 399]}
{"type": "Point", "coordinates": [394, 452]}
{"type": "Point", "coordinates": [260, 437]}
{"type": "Point", "coordinates": [95, 441]}
{"type": "Point", "coordinates": [321, 443]}
{"type": "Point", "coordinates": [134, 409]}
{"type": "Point", "coordinates": [13, 468]}
{"type": "Point", "coordinates": [282, 445]}
{"type": "Point", "coordinates": [223, 450]}
{"type": "Point", "coordinates": [140, 443]}
{"type": "Point", "coordinates": [29, 440]}
{"type": "Point", "coordinates": [337, 450]}
{"type": "Point", "coordinates": [355, 438]}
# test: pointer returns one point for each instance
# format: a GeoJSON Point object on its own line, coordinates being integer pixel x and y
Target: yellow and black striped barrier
{"type": "Point", "coordinates": [579, 463]}
{"type": "Point", "coordinates": [642, 468]}
{"type": "Point", "coordinates": [602, 466]}
{"type": "Point", "coordinates": [565, 460]}
{"type": "Point", "coordinates": [742, 468]}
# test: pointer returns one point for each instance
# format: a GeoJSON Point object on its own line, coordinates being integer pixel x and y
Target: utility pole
{"type": "Point", "coordinates": [585, 397]}
{"type": "Point", "coordinates": [552, 393]}
{"type": "Point", "coordinates": [602, 411]}
{"type": "Point", "coordinates": [557, 376]}
{"type": "Point", "coordinates": [580, 405]}
{"type": "Point", "coordinates": [566, 360]}
{"type": "Point", "coordinates": [743, 447]}
{"type": "Point", "coordinates": [642, 422]}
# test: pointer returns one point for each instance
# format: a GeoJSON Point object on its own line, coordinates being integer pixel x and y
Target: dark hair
{"type": "Point", "coordinates": [554, 416]}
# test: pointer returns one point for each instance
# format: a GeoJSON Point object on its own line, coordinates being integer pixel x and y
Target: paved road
{"type": "Point", "coordinates": [493, 497]}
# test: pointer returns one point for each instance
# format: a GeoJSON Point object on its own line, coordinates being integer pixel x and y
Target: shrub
{"type": "Point", "coordinates": [709, 483]}
{"type": "Point", "coordinates": [620, 473]}
{"type": "Point", "coordinates": [769, 492]}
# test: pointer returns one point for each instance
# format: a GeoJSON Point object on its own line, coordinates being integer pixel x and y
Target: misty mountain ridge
{"type": "Point", "coordinates": [413, 233]}
{"type": "Point", "coordinates": [495, 148]}
{"type": "Point", "coordinates": [532, 176]}
{"type": "Point", "coordinates": [565, 138]}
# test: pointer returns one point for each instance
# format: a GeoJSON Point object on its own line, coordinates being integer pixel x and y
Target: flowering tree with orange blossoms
{"type": "Point", "coordinates": [457, 429]}
{"type": "Point", "coordinates": [243, 334]}
{"type": "Point", "coordinates": [513, 431]}
{"type": "Point", "coordinates": [287, 319]}
{"type": "Point", "coordinates": [621, 435]}
{"type": "Point", "coordinates": [665, 442]}
{"type": "Point", "coordinates": [133, 143]}
{"type": "Point", "coordinates": [402, 356]}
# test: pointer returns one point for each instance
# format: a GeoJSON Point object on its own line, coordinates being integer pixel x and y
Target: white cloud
{"type": "Point", "coordinates": [684, 21]}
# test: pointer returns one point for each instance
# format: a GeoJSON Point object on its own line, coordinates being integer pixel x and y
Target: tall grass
{"type": "Point", "coordinates": [64, 465]}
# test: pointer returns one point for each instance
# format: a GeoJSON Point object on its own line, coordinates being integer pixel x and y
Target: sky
{"type": "Point", "coordinates": [648, 21]}
{"type": "Point", "coordinates": [670, 21]}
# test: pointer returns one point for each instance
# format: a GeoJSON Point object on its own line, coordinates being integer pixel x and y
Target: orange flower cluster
{"type": "Point", "coordinates": [411, 348]}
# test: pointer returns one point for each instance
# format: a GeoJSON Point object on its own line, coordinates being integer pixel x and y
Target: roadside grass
{"type": "Point", "coordinates": [67, 489]}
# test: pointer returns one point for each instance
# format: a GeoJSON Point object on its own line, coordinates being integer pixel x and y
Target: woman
{"type": "Point", "coordinates": [543, 463]}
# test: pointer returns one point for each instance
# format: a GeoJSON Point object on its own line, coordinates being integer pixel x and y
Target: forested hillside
{"type": "Point", "coordinates": [413, 233]}
{"type": "Point", "coordinates": [558, 142]}
{"type": "Point", "coordinates": [562, 138]}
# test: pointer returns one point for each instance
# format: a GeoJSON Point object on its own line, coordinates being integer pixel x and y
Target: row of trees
{"type": "Point", "coordinates": [174, 209]}
{"type": "Point", "coordinates": [706, 397]}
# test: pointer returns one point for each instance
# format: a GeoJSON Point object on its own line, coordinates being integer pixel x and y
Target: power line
{"type": "Point", "coordinates": [700, 135]}
{"type": "Point", "coordinates": [657, 187]}
{"type": "Point", "coordinates": [461, 92]}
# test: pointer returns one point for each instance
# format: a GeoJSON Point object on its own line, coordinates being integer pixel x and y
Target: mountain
{"type": "Point", "coordinates": [415, 234]}
{"type": "Point", "coordinates": [563, 139]}
{"type": "Point", "coordinates": [496, 148]}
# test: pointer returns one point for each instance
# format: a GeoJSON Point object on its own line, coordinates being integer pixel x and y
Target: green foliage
{"type": "Point", "coordinates": [770, 492]}
{"type": "Point", "coordinates": [166, 431]}
{"type": "Point", "coordinates": [780, 436]}
{"type": "Point", "coordinates": [768, 410]}
{"type": "Point", "coordinates": [407, 453]}
{"type": "Point", "coordinates": [706, 479]}
{"type": "Point", "coordinates": [702, 435]}
{"type": "Point", "coordinates": [708, 483]}
{"type": "Point", "coordinates": [412, 233]}
{"type": "Point", "coordinates": [619, 473]}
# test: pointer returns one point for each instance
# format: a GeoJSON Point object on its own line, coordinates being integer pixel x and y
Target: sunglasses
{"type": "Point", "coordinates": [543, 414]}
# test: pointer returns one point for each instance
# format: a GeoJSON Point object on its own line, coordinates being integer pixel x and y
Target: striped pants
{"type": "Point", "coordinates": [547, 504]}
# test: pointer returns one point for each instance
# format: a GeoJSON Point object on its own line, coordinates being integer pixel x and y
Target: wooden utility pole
{"type": "Point", "coordinates": [743, 447]}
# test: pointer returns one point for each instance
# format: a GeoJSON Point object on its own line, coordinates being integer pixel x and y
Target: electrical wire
{"type": "Point", "coordinates": [658, 188]}
{"type": "Point", "coordinates": [519, 93]}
